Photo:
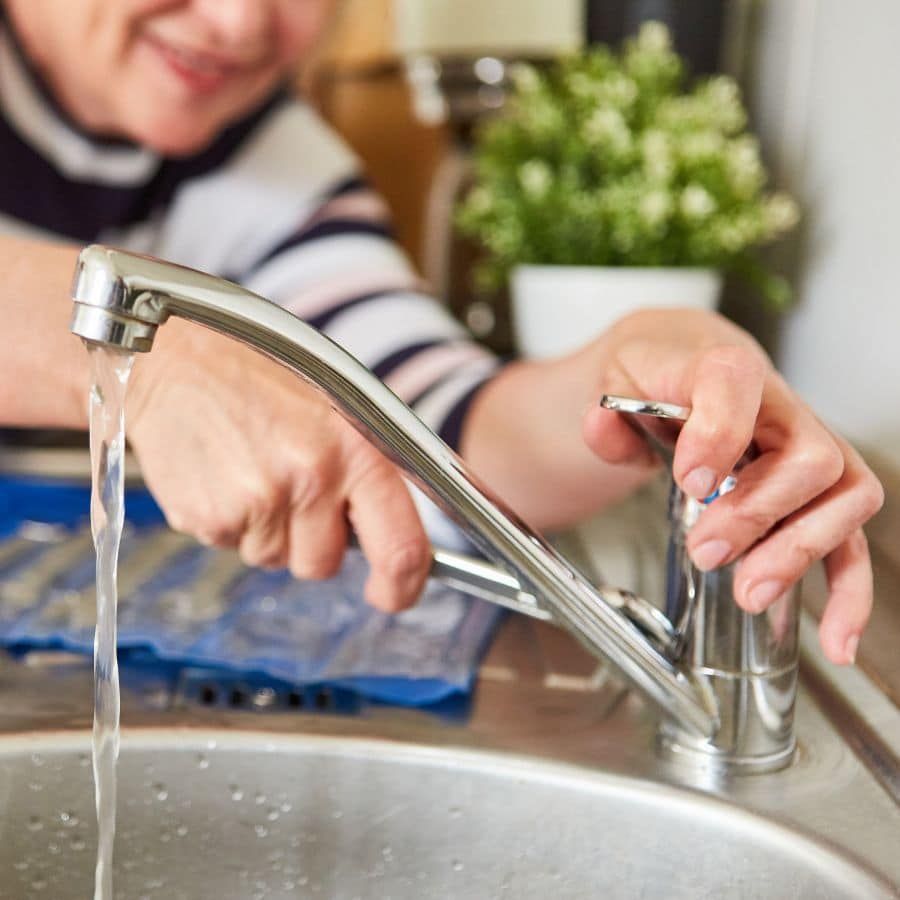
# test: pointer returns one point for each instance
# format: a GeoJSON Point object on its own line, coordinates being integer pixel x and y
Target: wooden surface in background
{"type": "Point", "coordinates": [360, 87]}
{"type": "Point", "coordinates": [363, 34]}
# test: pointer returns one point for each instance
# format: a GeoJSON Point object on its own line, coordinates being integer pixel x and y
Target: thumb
{"type": "Point", "coordinates": [608, 435]}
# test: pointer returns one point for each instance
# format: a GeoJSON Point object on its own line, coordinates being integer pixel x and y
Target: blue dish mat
{"type": "Point", "coordinates": [258, 622]}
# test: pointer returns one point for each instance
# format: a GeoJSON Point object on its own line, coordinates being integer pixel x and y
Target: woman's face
{"type": "Point", "coordinates": [169, 74]}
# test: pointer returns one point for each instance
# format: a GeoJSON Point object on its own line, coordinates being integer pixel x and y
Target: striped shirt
{"type": "Point", "coordinates": [275, 203]}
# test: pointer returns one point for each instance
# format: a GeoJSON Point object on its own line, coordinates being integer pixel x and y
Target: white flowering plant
{"type": "Point", "coordinates": [612, 159]}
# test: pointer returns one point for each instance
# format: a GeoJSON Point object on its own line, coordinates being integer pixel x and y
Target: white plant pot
{"type": "Point", "coordinates": [557, 309]}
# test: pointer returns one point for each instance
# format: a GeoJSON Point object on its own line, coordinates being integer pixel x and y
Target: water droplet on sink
{"type": "Point", "coordinates": [35, 786]}
{"type": "Point", "coordinates": [286, 807]}
{"type": "Point", "coordinates": [259, 799]}
{"type": "Point", "coordinates": [202, 761]}
{"type": "Point", "coordinates": [69, 819]}
{"type": "Point", "coordinates": [165, 837]}
{"type": "Point", "coordinates": [236, 793]}
{"type": "Point", "coordinates": [161, 791]}
{"type": "Point", "coordinates": [337, 814]}
{"type": "Point", "coordinates": [35, 824]}
{"type": "Point", "coordinates": [455, 812]}
{"type": "Point", "coordinates": [37, 759]}
{"type": "Point", "coordinates": [261, 831]}
{"type": "Point", "coordinates": [181, 830]}
{"type": "Point", "coordinates": [21, 866]}
{"type": "Point", "coordinates": [39, 884]}
{"type": "Point", "coordinates": [273, 815]}
{"type": "Point", "coordinates": [457, 866]}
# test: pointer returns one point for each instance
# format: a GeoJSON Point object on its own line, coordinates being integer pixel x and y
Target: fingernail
{"type": "Point", "coordinates": [711, 555]}
{"type": "Point", "coordinates": [850, 648]}
{"type": "Point", "coordinates": [763, 595]}
{"type": "Point", "coordinates": [699, 483]}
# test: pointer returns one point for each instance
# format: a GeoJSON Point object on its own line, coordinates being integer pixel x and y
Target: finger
{"type": "Point", "coordinates": [317, 540]}
{"type": "Point", "coordinates": [391, 536]}
{"type": "Point", "coordinates": [799, 460]}
{"type": "Point", "coordinates": [811, 534]}
{"type": "Point", "coordinates": [849, 572]}
{"type": "Point", "coordinates": [778, 485]}
{"type": "Point", "coordinates": [210, 529]}
{"type": "Point", "coordinates": [782, 615]}
{"type": "Point", "coordinates": [210, 520]}
{"type": "Point", "coordinates": [768, 490]}
{"type": "Point", "coordinates": [264, 542]}
{"type": "Point", "coordinates": [725, 401]}
{"type": "Point", "coordinates": [608, 435]}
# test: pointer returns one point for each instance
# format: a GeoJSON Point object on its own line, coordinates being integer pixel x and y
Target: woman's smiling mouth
{"type": "Point", "coordinates": [198, 70]}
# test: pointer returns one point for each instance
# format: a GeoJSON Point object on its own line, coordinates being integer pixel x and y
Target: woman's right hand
{"type": "Point", "coordinates": [238, 450]}
{"type": "Point", "coordinates": [241, 453]}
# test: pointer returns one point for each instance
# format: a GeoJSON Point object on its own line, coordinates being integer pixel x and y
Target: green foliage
{"type": "Point", "coordinates": [611, 160]}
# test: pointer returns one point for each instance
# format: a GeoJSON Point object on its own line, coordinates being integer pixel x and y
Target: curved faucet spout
{"type": "Point", "coordinates": [121, 299]}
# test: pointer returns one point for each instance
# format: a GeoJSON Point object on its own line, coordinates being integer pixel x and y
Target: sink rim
{"type": "Point", "coordinates": [840, 864]}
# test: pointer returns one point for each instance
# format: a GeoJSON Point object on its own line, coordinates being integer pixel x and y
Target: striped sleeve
{"type": "Point", "coordinates": [341, 271]}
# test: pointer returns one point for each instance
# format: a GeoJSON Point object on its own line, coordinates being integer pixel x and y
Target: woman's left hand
{"type": "Point", "coordinates": [804, 498]}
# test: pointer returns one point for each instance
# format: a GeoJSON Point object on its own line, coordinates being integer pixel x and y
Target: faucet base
{"type": "Point", "coordinates": [683, 752]}
{"type": "Point", "coordinates": [755, 728]}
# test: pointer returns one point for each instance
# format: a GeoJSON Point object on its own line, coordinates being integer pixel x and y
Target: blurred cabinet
{"type": "Point", "coordinates": [699, 27]}
{"type": "Point", "coordinates": [359, 84]}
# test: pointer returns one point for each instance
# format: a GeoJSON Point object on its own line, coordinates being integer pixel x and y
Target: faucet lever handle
{"type": "Point", "coordinates": [660, 424]}
{"type": "Point", "coordinates": [657, 422]}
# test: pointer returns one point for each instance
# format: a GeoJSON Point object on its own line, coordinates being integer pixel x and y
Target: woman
{"type": "Point", "coordinates": [159, 125]}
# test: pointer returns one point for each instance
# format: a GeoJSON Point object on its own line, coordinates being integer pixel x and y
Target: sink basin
{"type": "Point", "coordinates": [244, 814]}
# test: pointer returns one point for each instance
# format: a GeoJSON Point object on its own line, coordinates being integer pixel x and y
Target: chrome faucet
{"type": "Point", "coordinates": [724, 681]}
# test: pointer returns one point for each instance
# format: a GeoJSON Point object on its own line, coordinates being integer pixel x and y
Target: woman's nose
{"type": "Point", "coordinates": [236, 22]}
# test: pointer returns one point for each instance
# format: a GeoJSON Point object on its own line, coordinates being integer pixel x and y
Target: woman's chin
{"type": "Point", "coordinates": [173, 138]}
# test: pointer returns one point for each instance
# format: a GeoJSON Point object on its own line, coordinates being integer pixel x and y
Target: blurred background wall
{"type": "Point", "coordinates": [824, 80]}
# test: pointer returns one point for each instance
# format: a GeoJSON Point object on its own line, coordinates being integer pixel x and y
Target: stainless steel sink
{"type": "Point", "coordinates": [550, 788]}
{"type": "Point", "coordinates": [220, 815]}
